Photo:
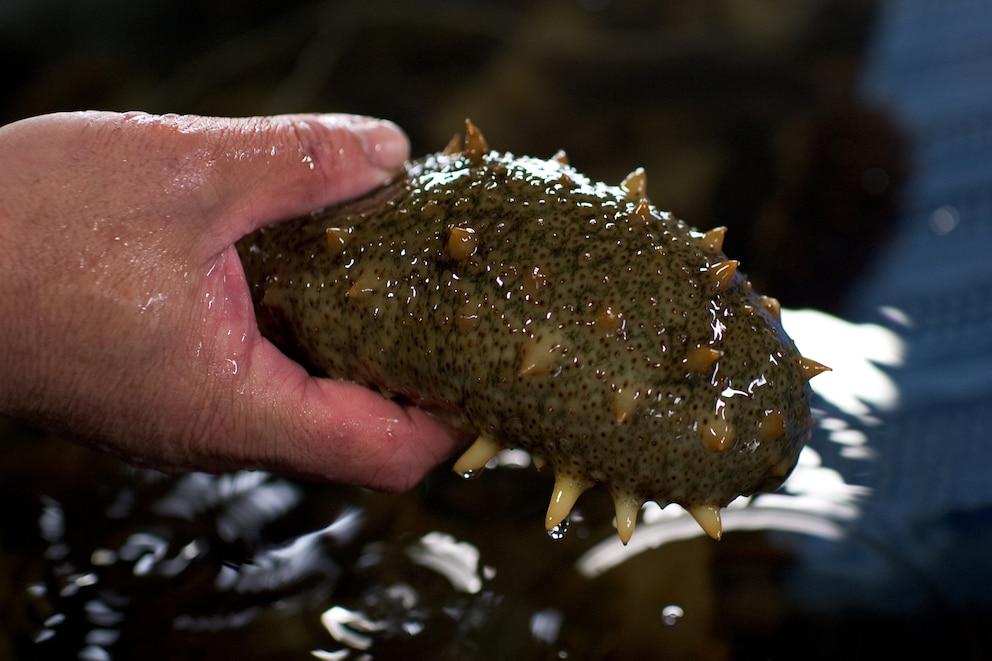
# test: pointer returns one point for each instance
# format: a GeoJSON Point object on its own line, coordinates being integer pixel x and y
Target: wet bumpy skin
{"type": "Point", "coordinates": [513, 297]}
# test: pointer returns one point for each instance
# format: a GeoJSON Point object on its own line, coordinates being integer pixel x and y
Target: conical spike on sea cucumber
{"type": "Point", "coordinates": [609, 321]}
{"type": "Point", "coordinates": [478, 455]}
{"type": "Point", "coordinates": [771, 427]}
{"type": "Point", "coordinates": [567, 490]}
{"type": "Point", "coordinates": [627, 508]}
{"type": "Point", "coordinates": [475, 143]}
{"type": "Point", "coordinates": [635, 185]}
{"type": "Point", "coordinates": [713, 238]}
{"type": "Point", "coordinates": [363, 286]}
{"type": "Point", "coordinates": [560, 157]}
{"type": "Point", "coordinates": [782, 467]}
{"type": "Point", "coordinates": [722, 273]}
{"type": "Point", "coordinates": [539, 354]}
{"type": "Point", "coordinates": [811, 368]}
{"type": "Point", "coordinates": [454, 146]}
{"type": "Point", "coordinates": [337, 239]}
{"type": "Point", "coordinates": [701, 359]}
{"type": "Point", "coordinates": [773, 306]}
{"type": "Point", "coordinates": [642, 211]}
{"type": "Point", "coordinates": [625, 403]}
{"type": "Point", "coordinates": [718, 435]}
{"type": "Point", "coordinates": [276, 296]}
{"type": "Point", "coordinates": [533, 282]}
{"type": "Point", "coordinates": [708, 518]}
{"type": "Point", "coordinates": [462, 243]}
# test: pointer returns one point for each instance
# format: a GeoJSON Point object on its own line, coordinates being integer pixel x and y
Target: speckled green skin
{"type": "Point", "coordinates": [553, 251]}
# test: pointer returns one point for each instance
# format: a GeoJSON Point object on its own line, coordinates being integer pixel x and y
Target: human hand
{"type": "Point", "coordinates": [125, 317]}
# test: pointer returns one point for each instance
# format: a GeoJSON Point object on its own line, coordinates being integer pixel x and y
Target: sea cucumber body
{"type": "Point", "coordinates": [513, 297]}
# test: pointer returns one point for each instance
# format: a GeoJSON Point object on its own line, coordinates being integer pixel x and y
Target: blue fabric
{"type": "Point", "coordinates": [925, 536]}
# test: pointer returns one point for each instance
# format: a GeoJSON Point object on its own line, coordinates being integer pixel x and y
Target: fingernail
{"type": "Point", "coordinates": [384, 143]}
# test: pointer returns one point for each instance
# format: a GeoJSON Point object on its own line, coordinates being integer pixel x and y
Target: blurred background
{"type": "Point", "coordinates": [847, 146]}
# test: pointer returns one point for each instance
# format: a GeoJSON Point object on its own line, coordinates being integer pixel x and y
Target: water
{"type": "Point", "coordinates": [671, 614]}
{"type": "Point", "coordinates": [560, 529]}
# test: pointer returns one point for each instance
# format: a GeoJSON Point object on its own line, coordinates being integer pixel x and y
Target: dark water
{"type": "Point", "coordinates": [845, 144]}
{"type": "Point", "coordinates": [103, 561]}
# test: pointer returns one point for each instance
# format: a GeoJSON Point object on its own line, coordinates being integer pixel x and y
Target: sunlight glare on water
{"type": "Point", "coordinates": [855, 353]}
{"type": "Point", "coordinates": [457, 561]}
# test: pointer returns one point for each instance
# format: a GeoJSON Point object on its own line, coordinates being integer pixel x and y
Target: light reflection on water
{"type": "Point", "coordinates": [456, 561]}
{"type": "Point", "coordinates": [856, 353]}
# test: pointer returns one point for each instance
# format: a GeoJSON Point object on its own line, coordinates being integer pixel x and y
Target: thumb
{"type": "Point", "coordinates": [304, 162]}
{"type": "Point", "coordinates": [242, 173]}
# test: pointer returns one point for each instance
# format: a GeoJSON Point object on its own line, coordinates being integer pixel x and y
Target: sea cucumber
{"type": "Point", "coordinates": [516, 298]}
